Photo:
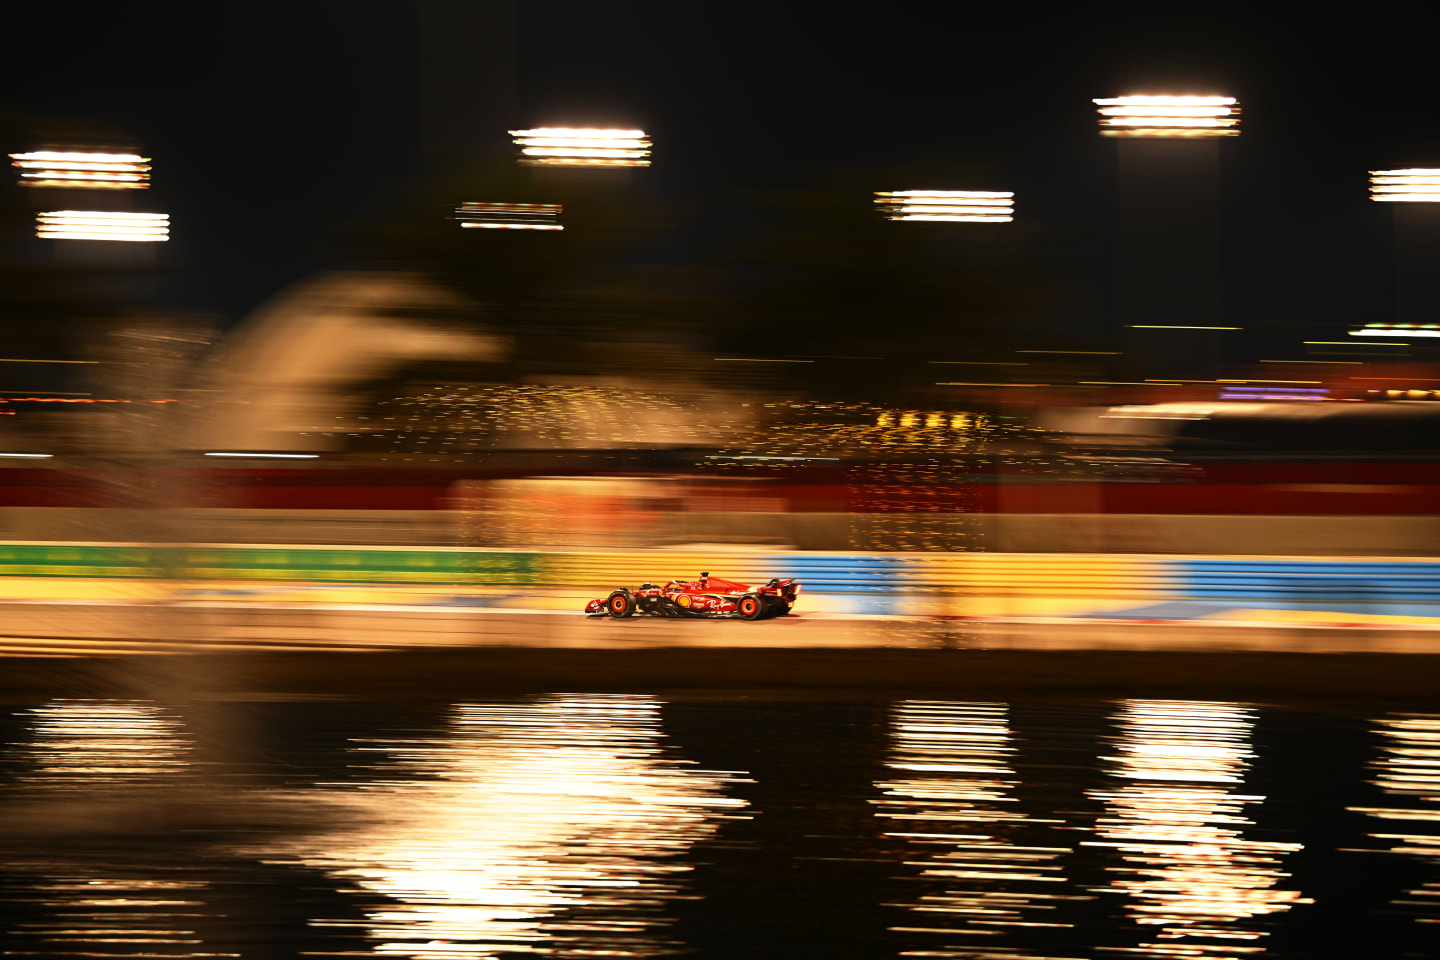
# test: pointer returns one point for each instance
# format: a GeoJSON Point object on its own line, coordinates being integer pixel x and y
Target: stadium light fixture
{"type": "Point", "coordinates": [90, 171]}
{"type": "Point", "coordinates": [1165, 116]}
{"type": "Point", "coordinates": [509, 216]}
{"type": "Point", "coordinates": [102, 225]}
{"type": "Point", "coordinates": [583, 147]}
{"type": "Point", "coordinates": [947, 206]}
{"type": "Point", "coordinates": [1413, 185]}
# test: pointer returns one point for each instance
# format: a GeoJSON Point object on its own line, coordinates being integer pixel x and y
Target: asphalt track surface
{"type": "Point", "coordinates": [216, 650]}
{"type": "Point", "coordinates": [98, 629]}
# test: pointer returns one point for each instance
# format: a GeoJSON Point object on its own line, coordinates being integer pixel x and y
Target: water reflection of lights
{"type": "Point", "coordinates": [100, 750]}
{"type": "Point", "coordinates": [1187, 869]}
{"type": "Point", "coordinates": [556, 826]}
{"type": "Point", "coordinates": [94, 914]}
{"type": "Point", "coordinates": [77, 743]}
{"type": "Point", "coordinates": [1408, 769]}
{"type": "Point", "coordinates": [952, 796]}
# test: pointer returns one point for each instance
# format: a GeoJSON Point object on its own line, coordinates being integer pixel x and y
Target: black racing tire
{"type": "Point", "coordinates": [776, 607]}
{"type": "Point", "coordinates": [620, 604]}
{"type": "Point", "coordinates": [750, 607]}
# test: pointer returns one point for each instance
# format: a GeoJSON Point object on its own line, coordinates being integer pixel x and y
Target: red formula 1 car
{"type": "Point", "coordinates": [707, 597]}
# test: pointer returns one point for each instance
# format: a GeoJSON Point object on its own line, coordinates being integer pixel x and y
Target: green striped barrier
{"type": "Point", "coordinates": [329, 565]}
{"type": "Point", "coordinates": [79, 560]}
{"type": "Point", "coordinates": [325, 565]}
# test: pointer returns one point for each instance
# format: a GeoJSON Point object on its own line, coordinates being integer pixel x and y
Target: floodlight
{"type": "Point", "coordinates": [90, 171]}
{"type": "Point", "coordinates": [509, 216]}
{"type": "Point", "coordinates": [583, 147]}
{"type": "Point", "coordinates": [1163, 116]}
{"type": "Point", "coordinates": [1414, 185]}
{"type": "Point", "coordinates": [947, 206]}
{"type": "Point", "coordinates": [102, 225]}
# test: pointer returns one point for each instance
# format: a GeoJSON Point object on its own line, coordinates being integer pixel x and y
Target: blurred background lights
{"type": "Point", "coordinates": [1248, 392]}
{"type": "Point", "coordinates": [583, 147]}
{"type": "Point", "coordinates": [91, 171]}
{"type": "Point", "coordinates": [509, 216]}
{"type": "Point", "coordinates": [102, 225]}
{"type": "Point", "coordinates": [1414, 185]}
{"type": "Point", "coordinates": [1149, 116]}
{"type": "Point", "coordinates": [1398, 330]}
{"type": "Point", "coordinates": [947, 206]}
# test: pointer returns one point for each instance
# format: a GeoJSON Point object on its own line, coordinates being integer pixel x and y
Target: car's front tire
{"type": "Point", "coordinates": [620, 604]}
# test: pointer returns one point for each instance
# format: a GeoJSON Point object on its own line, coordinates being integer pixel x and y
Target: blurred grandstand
{"type": "Point", "coordinates": [374, 408]}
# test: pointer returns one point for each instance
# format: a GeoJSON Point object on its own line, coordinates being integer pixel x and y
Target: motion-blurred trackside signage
{"type": "Point", "coordinates": [1249, 392]}
{"type": "Point", "coordinates": [1391, 393]}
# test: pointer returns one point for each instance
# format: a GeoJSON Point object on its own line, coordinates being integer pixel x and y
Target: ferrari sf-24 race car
{"type": "Point", "coordinates": [707, 597]}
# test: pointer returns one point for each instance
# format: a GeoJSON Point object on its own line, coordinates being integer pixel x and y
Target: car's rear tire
{"type": "Point", "coordinates": [773, 607]}
{"type": "Point", "coordinates": [749, 607]}
{"type": "Point", "coordinates": [620, 604]}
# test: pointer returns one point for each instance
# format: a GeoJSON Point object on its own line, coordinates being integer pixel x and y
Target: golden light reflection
{"type": "Point", "coordinates": [1408, 769]}
{"type": "Point", "coordinates": [96, 755]}
{"type": "Point", "coordinates": [1187, 871]}
{"type": "Point", "coordinates": [951, 796]}
{"type": "Point", "coordinates": [556, 826]}
{"type": "Point", "coordinates": [80, 744]}
{"type": "Point", "coordinates": [90, 913]}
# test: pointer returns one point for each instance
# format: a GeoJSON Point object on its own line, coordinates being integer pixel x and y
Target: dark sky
{"type": "Point", "coordinates": [274, 124]}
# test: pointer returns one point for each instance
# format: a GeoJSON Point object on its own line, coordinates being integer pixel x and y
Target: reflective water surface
{"type": "Point", "coordinates": [590, 825]}
{"type": "Point", "coordinates": [954, 799]}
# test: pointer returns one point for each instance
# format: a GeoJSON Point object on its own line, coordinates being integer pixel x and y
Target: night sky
{"type": "Point", "coordinates": [275, 128]}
